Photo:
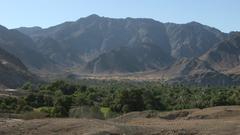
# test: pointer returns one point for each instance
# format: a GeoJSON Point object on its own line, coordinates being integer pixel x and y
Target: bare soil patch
{"type": "Point", "coordinates": [223, 120]}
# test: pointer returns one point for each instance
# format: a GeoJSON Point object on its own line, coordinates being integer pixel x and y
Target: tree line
{"type": "Point", "coordinates": [56, 99]}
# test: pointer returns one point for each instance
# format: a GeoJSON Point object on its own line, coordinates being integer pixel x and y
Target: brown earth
{"type": "Point", "coordinates": [223, 120]}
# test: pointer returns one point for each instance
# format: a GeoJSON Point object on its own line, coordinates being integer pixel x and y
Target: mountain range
{"type": "Point", "coordinates": [177, 53]}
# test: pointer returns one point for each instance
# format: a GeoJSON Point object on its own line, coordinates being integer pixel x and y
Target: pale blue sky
{"type": "Point", "coordinates": [222, 14]}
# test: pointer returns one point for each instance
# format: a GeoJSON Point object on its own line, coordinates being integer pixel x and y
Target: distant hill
{"type": "Point", "coordinates": [195, 71]}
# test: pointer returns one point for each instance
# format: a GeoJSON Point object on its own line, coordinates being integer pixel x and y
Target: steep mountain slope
{"type": "Point", "coordinates": [13, 72]}
{"type": "Point", "coordinates": [192, 39]}
{"type": "Point", "coordinates": [56, 52]}
{"type": "Point", "coordinates": [87, 38]}
{"type": "Point", "coordinates": [225, 55]}
{"type": "Point", "coordinates": [22, 47]}
{"type": "Point", "coordinates": [134, 59]}
{"type": "Point", "coordinates": [185, 67]}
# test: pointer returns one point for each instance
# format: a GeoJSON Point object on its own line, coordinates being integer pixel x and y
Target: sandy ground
{"type": "Point", "coordinates": [210, 121]}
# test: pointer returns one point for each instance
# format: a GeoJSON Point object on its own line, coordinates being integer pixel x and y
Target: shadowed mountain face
{"type": "Point", "coordinates": [134, 59]}
{"type": "Point", "coordinates": [104, 45]}
{"type": "Point", "coordinates": [22, 47]}
{"type": "Point", "coordinates": [13, 72]}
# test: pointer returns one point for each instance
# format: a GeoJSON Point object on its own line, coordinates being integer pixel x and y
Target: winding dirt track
{"type": "Point", "coordinates": [217, 120]}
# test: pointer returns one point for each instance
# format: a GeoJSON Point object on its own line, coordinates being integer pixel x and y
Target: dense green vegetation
{"type": "Point", "coordinates": [104, 99]}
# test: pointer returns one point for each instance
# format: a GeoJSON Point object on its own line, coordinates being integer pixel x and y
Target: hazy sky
{"type": "Point", "coordinates": [222, 14]}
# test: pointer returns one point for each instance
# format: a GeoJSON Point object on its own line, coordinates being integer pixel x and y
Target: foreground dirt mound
{"type": "Point", "coordinates": [217, 120]}
{"type": "Point", "coordinates": [81, 127]}
{"type": "Point", "coordinates": [76, 127]}
{"type": "Point", "coordinates": [187, 114]}
{"type": "Point", "coordinates": [54, 126]}
{"type": "Point", "coordinates": [216, 113]}
{"type": "Point", "coordinates": [134, 115]}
